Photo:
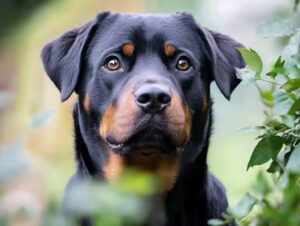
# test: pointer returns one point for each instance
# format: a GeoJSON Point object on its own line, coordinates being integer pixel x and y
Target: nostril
{"type": "Point", "coordinates": [144, 98]}
{"type": "Point", "coordinates": [153, 98]}
{"type": "Point", "coordinates": [164, 98]}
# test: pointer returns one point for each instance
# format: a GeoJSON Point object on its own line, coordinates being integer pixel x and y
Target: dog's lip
{"type": "Point", "coordinates": [143, 141]}
{"type": "Point", "coordinates": [147, 152]}
{"type": "Point", "coordinates": [118, 147]}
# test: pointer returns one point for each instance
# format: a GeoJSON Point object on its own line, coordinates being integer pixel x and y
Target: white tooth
{"type": "Point", "coordinates": [115, 146]}
{"type": "Point", "coordinates": [119, 145]}
{"type": "Point", "coordinates": [179, 149]}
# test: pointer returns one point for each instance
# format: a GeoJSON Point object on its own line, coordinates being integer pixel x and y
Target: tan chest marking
{"type": "Point", "coordinates": [165, 167]}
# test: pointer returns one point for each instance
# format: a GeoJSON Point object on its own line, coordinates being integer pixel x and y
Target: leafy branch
{"type": "Point", "coordinates": [275, 197]}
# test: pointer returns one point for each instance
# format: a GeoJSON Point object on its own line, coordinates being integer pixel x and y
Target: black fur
{"type": "Point", "coordinates": [74, 63]}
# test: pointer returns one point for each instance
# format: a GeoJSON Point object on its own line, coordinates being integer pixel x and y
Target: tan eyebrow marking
{"type": "Point", "coordinates": [169, 50]}
{"type": "Point", "coordinates": [128, 49]}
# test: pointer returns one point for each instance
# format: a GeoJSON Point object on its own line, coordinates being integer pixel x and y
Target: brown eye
{"type": "Point", "coordinates": [112, 63]}
{"type": "Point", "coordinates": [183, 64]}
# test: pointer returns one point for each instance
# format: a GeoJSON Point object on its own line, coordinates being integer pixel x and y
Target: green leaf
{"type": "Point", "coordinates": [90, 198]}
{"type": "Point", "coordinates": [294, 71]}
{"type": "Point", "coordinates": [277, 69]}
{"type": "Point", "coordinates": [291, 85]}
{"type": "Point", "coordinates": [137, 182]}
{"type": "Point", "coordinates": [293, 165]}
{"type": "Point", "coordinates": [296, 3]}
{"type": "Point", "coordinates": [288, 120]}
{"type": "Point", "coordinates": [295, 107]}
{"type": "Point", "coordinates": [245, 128]}
{"type": "Point", "coordinates": [274, 167]}
{"type": "Point", "coordinates": [275, 28]}
{"type": "Point", "coordinates": [263, 185]}
{"type": "Point", "coordinates": [244, 207]}
{"type": "Point", "coordinates": [215, 222]}
{"type": "Point", "coordinates": [279, 63]}
{"type": "Point", "coordinates": [283, 103]}
{"type": "Point", "coordinates": [267, 98]}
{"type": "Point", "coordinates": [266, 149]}
{"type": "Point", "coordinates": [275, 124]}
{"type": "Point", "coordinates": [252, 59]}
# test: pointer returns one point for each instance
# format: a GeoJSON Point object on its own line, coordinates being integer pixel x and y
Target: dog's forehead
{"type": "Point", "coordinates": [118, 29]}
{"type": "Point", "coordinates": [151, 23]}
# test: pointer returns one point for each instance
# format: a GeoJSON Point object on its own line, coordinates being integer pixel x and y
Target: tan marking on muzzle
{"type": "Point", "coordinates": [187, 123]}
{"type": "Point", "coordinates": [106, 121]}
{"type": "Point", "coordinates": [128, 49]}
{"type": "Point", "coordinates": [87, 103]}
{"type": "Point", "coordinates": [179, 117]}
{"type": "Point", "coordinates": [119, 121]}
{"type": "Point", "coordinates": [169, 50]}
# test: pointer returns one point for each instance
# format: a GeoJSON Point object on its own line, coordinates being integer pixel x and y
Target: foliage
{"type": "Point", "coordinates": [124, 202]}
{"type": "Point", "coordinates": [108, 204]}
{"type": "Point", "coordinates": [275, 199]}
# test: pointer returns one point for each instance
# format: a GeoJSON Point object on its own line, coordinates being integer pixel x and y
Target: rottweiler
{"type": "Point", "coordinates": [143, 85]}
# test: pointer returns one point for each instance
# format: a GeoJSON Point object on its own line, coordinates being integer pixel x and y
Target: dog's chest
{"type": "Point", "coordinates": [164, 167]}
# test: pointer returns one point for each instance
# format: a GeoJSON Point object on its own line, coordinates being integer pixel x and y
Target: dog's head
{"type": "Point", "coordinates": [143, 80]}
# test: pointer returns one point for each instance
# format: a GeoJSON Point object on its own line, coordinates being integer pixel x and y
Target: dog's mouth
{"type": "Point", "coordinates": [146, 142]}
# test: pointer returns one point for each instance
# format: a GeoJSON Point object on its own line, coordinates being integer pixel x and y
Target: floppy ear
{"type": "Point", "coordinates": [224, 58]}
{"type": "Point", "coordinates": [62, 57]}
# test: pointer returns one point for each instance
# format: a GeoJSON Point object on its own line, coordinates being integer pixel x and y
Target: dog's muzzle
{"type": "Point", "coordinates": [148, 114]}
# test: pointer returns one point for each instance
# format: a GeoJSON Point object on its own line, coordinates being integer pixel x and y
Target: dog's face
{"type": "Point", "coordinates": [145, 65]}
{"type": "Point", "coordinates": [143, 82]}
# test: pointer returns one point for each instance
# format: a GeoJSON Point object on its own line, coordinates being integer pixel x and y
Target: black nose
{"type": "Point", "coordinates": [153, 98]}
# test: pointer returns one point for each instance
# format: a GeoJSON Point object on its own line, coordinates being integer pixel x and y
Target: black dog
{"type": "Point", "coordinates": [143, 83]}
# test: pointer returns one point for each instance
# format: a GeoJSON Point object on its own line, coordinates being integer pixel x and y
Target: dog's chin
{"type": "Point", "coordinates": [146, 143]}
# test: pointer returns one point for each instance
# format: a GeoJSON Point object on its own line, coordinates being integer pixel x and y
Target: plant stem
{"type": "Point", "coordinates": [264, 80]}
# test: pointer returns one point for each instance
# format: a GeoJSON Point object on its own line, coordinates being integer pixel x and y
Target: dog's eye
{"type": "Point", "coordinates": [112, 63]}
{"type": "Point", "coordinates": [183, 64]}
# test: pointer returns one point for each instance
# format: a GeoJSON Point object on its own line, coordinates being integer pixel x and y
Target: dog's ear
{"type": "Point", "coordinates": [224, 58]}
{"type": "Point", "coordinates": [62, 57]}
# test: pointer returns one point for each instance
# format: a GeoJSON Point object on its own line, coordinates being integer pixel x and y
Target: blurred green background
{"type": "Point", "coordinates": [37, 129]}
